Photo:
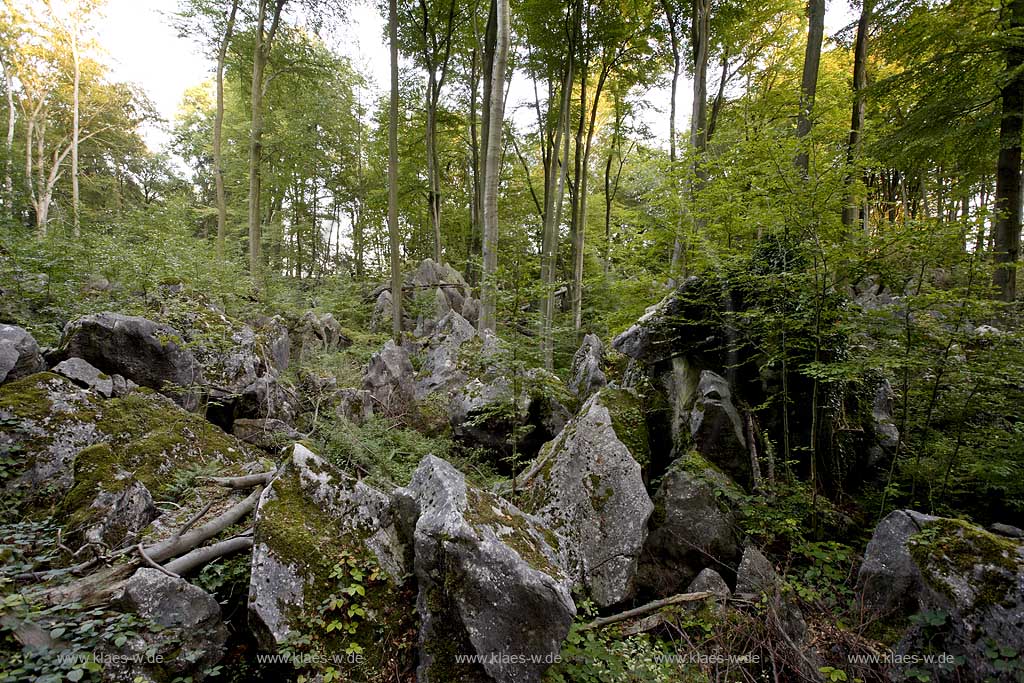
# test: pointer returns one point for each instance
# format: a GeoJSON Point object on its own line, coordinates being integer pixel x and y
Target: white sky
{"type": "Point", "coordinates": [143, 48]}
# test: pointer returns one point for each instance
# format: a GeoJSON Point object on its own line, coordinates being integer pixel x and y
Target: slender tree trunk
{"type": "Point", "coordinates": [218, 130]}
{"type": "Point", "coordinates": [261, 54]}
{"type": "Point", "coordinates": [492, 169]}
{"type": "Point", "coordinates": [851, 212]}
{"type": "Point", "coordinates": [396, 260]}
{"type": "Point", "coordinates": [75, 113]}
{"type": "Point", "coordinates": [675, 269]}
{"type": "Point", "coordinates": [475, 227]}
{"type": "Point", "coordinates": [9, 159]}
{"type": "Point", "coordinates": [1008, 179]}
{"type": "Point", "coordinates": [700, 37]}
{"type": "Point", "coordinates": [809, 81]}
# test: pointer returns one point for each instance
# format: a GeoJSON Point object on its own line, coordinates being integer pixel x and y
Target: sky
{"type": "Point", "coordinates": [142, 47]}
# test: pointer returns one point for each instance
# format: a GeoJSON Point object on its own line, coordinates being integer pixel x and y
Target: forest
{"type": "Point", "coordinates": [608, 340]}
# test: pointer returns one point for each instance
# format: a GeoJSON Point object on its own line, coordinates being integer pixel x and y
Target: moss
{"type": "Point", "coordinates": [95, 470]}
{"type": "Point", "coordinates": [954, 547]}
{"type": "Point", "coordinates": [28, 398]}
{"type": "Point", "coordinates": [628, 421]}
{"type": "Point", "coordinates": [485, 509]}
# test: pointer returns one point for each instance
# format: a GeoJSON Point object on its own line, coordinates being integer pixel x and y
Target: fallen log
{"type": "Point", "coordinates": [650, 607]}
{"type": "Point", "coordinates": [244, 482]}
{"type": "Point", "coordinates": [202, 556]}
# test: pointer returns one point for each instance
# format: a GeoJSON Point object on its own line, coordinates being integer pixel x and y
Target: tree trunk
{"type": "Point", "coordinates": [809, 81]}
{"type": "Point", "coordinates": [492, 169]}
{"type": "Point", "coordinates": [261, 54]}
{"type": "Point", "coordinates": [851, 212]}
{"type": "Point", "coordinates": [75, 132]}
{"type": "Point", "coordinates": [396, 260]}
{"type": "Point", "coordinates": [675, 269]}
{"type": "Point", "coordinates": [700, 37]}
{"type": "Point", "coordinates": [1008, 180]}
{"type": "Point", "coordinates": [9, 160]}
{"type": "Point", "coordinates": [218, 128]}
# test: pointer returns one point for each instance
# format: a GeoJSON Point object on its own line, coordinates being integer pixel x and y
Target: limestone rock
{"type": "Point", "coordinates": [266, 433]}
{"type": "Point", "coordinates": [121, 515]}
{"type": "Point", "coordinates": [389, 379]}
{"type": "Point", "coordinates": [587, 375]}
{"type": "Point", "coordinates": [355, 405]}
{"type": "Point", "coordinates": [889, 579]}
{"type": "Point", "coordinates": [709, 581]}
{"type": "Point", "coordinates": [442, 369]}
{"type": "Point", "coordinates": [491, 582]}
{"type": "Point", "coordinates": [81, 372]}
{"type": "Point", "coordinates": [19, 354]}
{"type": "Point", "coordinates": [589, 486]}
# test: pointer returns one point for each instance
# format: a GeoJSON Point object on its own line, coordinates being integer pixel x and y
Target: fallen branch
{"type": "Point", "coordinates": [194, 519]}
{"type": "Point", "coordinates": [201, 556]}
{"type": "Point", "coordinates": [182, 543]}
{"type": "Point", "coordinates": [244, 482]}
{"type": "Point", "coordinates": [679, 599]}
{"type": "Point", "coordinates": [155, 565]}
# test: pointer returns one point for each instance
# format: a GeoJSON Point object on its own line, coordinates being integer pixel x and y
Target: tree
{"type": "Point", "coordinates": [492, 167]}
{"type": "Point", "coordinates": [851, 212]}
{"type": "Point", "coordinates": [1008, 180]}
{"type": "Point", "coordinates": [809, 80]}
{"type": "Point", "coordinates": [396, 261]}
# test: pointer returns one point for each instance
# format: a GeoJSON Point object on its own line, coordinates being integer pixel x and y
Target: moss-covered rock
{"type": "Point", "coordinates": [330, 569]}
{"type": "Point", "coordinates": [491, 580]}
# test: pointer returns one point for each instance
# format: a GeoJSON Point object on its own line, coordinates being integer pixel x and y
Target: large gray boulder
{"type": "Point", "coordinates": [588, 484]}
{"type": "Point", "coordinates": [83, 373]}
{"type": "Point", "coordinates": [19, 354]}
{"type": "Point", "coordinates": [586, 374]}
{"type": "Point", "coordinates": [119, 516]}
{"type": "Point", "coordinates": [693, 526]}
{"type": "Point", "coordinates": [883, 425]}
{"type": "Point", "coordinates": [313, 522]}
{"type": "Point", "coordinates": [717, 429]}
{"type": "Point", "coordinates": [972, 578]}
{"type": "Point", "coordinates": [151, 354]}
{"type": "Point", "coordinates": [491, 581]}
{"type": "Point", "coordinates": [443, 368]}
{"type": "Point", "coordinates": [757, 575]}
{"type": "Point", "coordinates": [189, 620]}
{"type": "Point", "coordinates": [316, 334]}
{"type": "Point", "coordinates": [389, 379]}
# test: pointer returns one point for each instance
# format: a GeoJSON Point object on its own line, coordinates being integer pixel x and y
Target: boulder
{"type": "Point", "coordinates": [82, 373]}
{"type": "Point", "coordinates": [1006, 530]}
{"type": "Point", "coordinates": [383, 312]}
{"type": "Point", "coordinates": [587, 375]}
{"type": "Point", "coordinates": [389, 379]}
{"type": "Point", "coordinates": [19, 354]}
{"type": "Point", "coordinates": [889, 579]}
{"type": "Point", "coordinates": [491, 582]}
{"type": "Point", "coordinates": [709, 581]}
{"type": "Point", "coordinates": [355, 405]}
{"type": "Point", "coordinates": [317, 531]}
{"type": "Point", "coordinates": [151, 354]}
{"type": "Point", "coordinates": [717, 428]}
{"type": "Point", "coordinates": [442, 369]}
{"type": "Point", "coordinates": [266, 433]}
{"type": "Point", "coordinates": [883, 425]}
{"type": "Point", "coordinates": [188, 620]}
{"type": "Point", "coordinates": [277, 339]}
{"type": "Point", "coordinates": [316, 334]}
{"type": "Point", "coordinates": [265, 398]}
{"type": "Point", "coordinates": [756, 575]}
{"type": "Point", "coordinates": [693, 526]}
{"type": "Point", "coordinates": [120, 516]}
{"type": "Point", "coordinates": [588, 485]}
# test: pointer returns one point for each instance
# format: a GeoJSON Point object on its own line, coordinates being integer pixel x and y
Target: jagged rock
{"type": "Point", "coordinates": [889, 579]}
{"type": "Point", "coordinates": [143, 351]}
{"type": "Point", "coordinates": [491, 582]}
{"type": "Point", "coordinates": [266, 433]}
{"type": "Point", "coordinates": [883, 424]}
{"type": "Point", "coordinates": [587, 375]}
{"type": "Point", "coordinates": [717, 428]}
{"type": "Point", "coordinates": [191, 623]}
{"type": "Point", "coordinates": [121, 386]}
{"type": "Point", "coordinates": [355, 405]}
{"type": "Point", "coordinates": [19, 354]}
{"type": "Point", "coordinates": [692, 527]}
{"type": "Point", "coordinates": [1006, 530]}
{"type": "Point", "coordinates": [674, 326]}
{"type": "Point", "coordinates": [441, 369]}
{"type": "Point", "coordinates": [265, 398]}
{"type": "Point", "coordinates": [756, 574]}
{"type": "Point", "coordinates": [81, 372]}
{"type": "Point", "coordinates": [588, 485]}
{"type": "Point", "coordinates": [383, 312]}
{"type": "Point", "coordinates": [949, 567]}
{"type": "Point", "coordinates": [709, 581]}
{"type": "Point", "coordinates": [121, 515]}
{"type": "Point", "coordinates": [278, 341]}
{"type": "Point", "coordinates": [309, 518]}
{"type": "Point", "coordinates": [389, 379]}
{"type": "Point", "coordinates": [318, 333]}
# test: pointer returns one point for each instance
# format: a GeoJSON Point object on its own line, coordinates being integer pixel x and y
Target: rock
{"type": "Point", "coordinates": [265, 398]}
{"type": "Point", "coordinates": [587, 375]}
{"type": "Point", "coordinates": [717, 428]}
{"type": "Point", "coordinates": [756, 575]}
{"type": "Point", "coordinates": [491, 582]}
{"type": "Point", "coordinates": [266, 433]}
{"type": "Point", "coordinates": [278, 341]}
{"type": "Point", "coordinates": [121, 386]}
{"type": "Point", "coordinates": [692, 527]}
{"type": "Point", "coordinates": [383, 312]}
{"type": "Point", "coordinates": [190, 621]}
{"type": "Point", "coordinates": [19, 354]}
{"type": "Point", "coordinates": [972, 579]}
{"type": "Point", "coordinates": [709, 581]}
{"type": "Point", "coordinates": [471, 310]}
{"type": "Point", "coordinates": [121, 516]}
{"type": "Point", "coordinates": [676, 325]}
{"type": "Point", "coordinates": [81, 372]}
{"type": "Point", "coordinates": [442, 370]}
{"type": "Point", "coordinates": [315, 527]}
{"type": "Point", "coordinates": [146, 352]}
{"type": "Point", "coordinates": [316, 334]}
{"type": "Point", "coordinates": [1006, 530]}
{"type": "Point", "coordinates": [355, 405]}
{"type": "Point", "coordinates": [389, 379]}
{"type": "Point", "coordinates": [589, 486]}
{"type": "Point", "coordinates": [889, 579]}
{"type": "Point", "coordinates": [883, 425]}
